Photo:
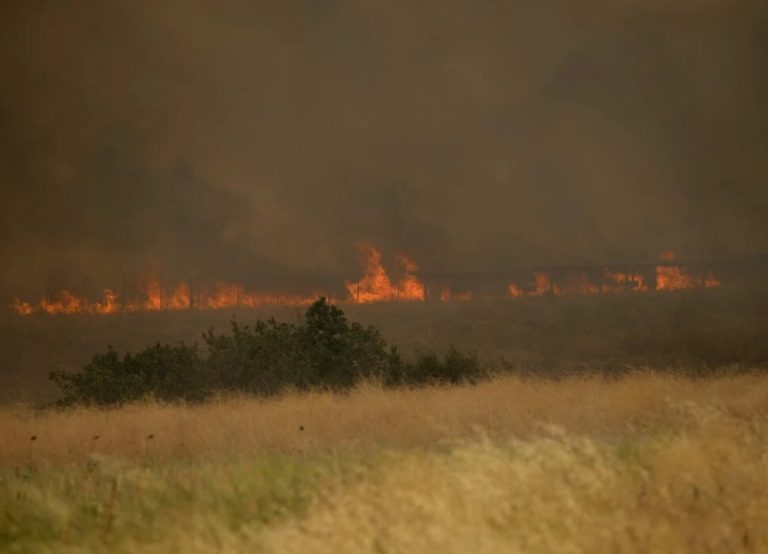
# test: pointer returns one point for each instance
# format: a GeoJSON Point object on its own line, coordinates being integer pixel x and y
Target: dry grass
{"type": "Point", "coordinates": [704, 489]}
{"type": "Point", "coordinates": [368, 416]}
{"type": "Point", "coordinates": [646, 463]}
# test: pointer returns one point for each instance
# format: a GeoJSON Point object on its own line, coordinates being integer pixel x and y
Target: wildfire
{"type": "Point", "coordinates": [233, 295]}
{"type": "Point", "coordinates": [65, 302]}
{"type": "Point", "coordinates": [514, 291]}
{"type": "Point", "coordinates": [156, 299]}
{"type": "Point", "coordinates": [542, 284]}
{"type": "Point", "coordinates": [668, 278]}
{"type": "Point", "coordinates": [673, 277]}
{"type": "Point", "coordinates": [223, 295]}
{"type": "Point", "coordinates": [22, 308]}
{"type": "Point", "coordinates": [375, 285]}
{"type": "Point", "coordinates": [618, 281]}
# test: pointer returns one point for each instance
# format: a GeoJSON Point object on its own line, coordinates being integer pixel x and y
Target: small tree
{"type": "Point", "coordinates": [336, 353]}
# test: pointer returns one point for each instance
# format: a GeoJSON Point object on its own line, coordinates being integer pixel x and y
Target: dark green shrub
{"type": "Point", "coordinates": [454, 368]}
{"type": "Point", "coordinates": [166, 372]}
{"type": "Point", "coordinates": [325, 351]}
{"type": "Point", "coordinates": [258, 359]}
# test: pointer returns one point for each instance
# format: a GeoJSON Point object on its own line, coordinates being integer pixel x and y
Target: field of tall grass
{"type": "Point", "coordinates": [647, 462]}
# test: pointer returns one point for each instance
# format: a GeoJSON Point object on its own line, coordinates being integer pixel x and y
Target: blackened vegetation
{"type": "Point", "coordinates": [324, 352]}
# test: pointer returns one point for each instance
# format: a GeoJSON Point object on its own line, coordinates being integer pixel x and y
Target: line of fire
{"type": "Point", "coordinates": [410, 285]}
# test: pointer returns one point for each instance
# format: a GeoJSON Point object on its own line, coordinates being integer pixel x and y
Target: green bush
{"type": "Point", "coordinates": [455, 368]}
{"type": "Point", "coordinates": [166, 372]}
{"type": "Point", "coordinates": [325, 351]}
{"type": "Point", "coordinates": [255, 359]}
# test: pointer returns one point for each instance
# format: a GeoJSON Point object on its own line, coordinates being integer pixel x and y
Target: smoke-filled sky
{"type": "Point", "coordinates": [261, 140]}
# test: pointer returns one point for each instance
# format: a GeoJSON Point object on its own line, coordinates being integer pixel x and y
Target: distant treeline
{"type": "Point", "coordinates": [325, 351]}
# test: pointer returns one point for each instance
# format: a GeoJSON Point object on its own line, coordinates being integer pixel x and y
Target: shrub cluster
{"type": "Point", "coordinates": [325, 351]}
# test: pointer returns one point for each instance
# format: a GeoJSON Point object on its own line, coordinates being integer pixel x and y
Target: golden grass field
{"type": "Point", "coordinates": [644, 463]}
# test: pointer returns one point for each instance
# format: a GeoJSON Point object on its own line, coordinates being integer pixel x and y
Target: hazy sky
{"type": "Point", "coordinates": [262, 140]}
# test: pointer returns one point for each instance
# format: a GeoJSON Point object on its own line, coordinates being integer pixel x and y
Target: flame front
{"type": "Point", "coordinates": [673, 277]}
{"type": "Point", "coordinates": [619, 281]}
{"type": "Point", "coordinates": [542, 284]}
{"type": "Point", "coordinates": [668, 278]}
{"type": "Point", "coordinates": [65, 302]}
{"type": "Point", "coordinates": [374, 286]}
{"type": "Point", "coordinates": [409, 287]}
{"type": "Point", "coordinates": [514, 291]}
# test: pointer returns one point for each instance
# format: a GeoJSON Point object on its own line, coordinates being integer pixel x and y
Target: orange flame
{"type": "Point", "coordinates": [224, 295]}
{"type": "Point", "coordinates": [514, 291]}
{"type": "Point", "coordinates": [620, 282]}
{"type": "Point", "coordinates": [409, 287]}
{"type": "Point", "coordinates": [668, 278]}
{"type": "Point", "coordinates": [65, 302]}
{"type": "Point", "coordinates": [233, 295]}
{"type": "Point", "coordinates": [21, 307]}
{"type": "Point", "coordinates": [109, 304]}
{"type": "Point", "coordinates": [673, 277]}
{"type": "Point", "coordinates": [154, 291]}
{"type": "Point", "coordinates": [376, 286]}
{"type": "Point", "coordinates": [181, 298]}
{"type": "Point", "coordinates": [542, 284]}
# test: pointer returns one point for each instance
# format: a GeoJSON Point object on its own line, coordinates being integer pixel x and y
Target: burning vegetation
{"type": "Point", "coordinates": [376, 285]}
{"type": "Point", "coordinates": [665, 276]}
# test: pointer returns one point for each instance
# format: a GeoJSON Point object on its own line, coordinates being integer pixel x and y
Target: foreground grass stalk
{"type": "Point", "coordinates": [642, 464]}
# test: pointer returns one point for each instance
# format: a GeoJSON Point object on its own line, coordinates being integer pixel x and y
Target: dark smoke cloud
{"type": "Point", "coordinates": [260, 140]}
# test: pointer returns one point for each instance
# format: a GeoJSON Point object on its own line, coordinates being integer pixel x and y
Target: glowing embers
{"type": "Point", "coordinates": [618, 281]}
{"type": "Point", "coordinates": [667, 277]}
{"type": "Point", "coordinates": [514, 291]}
{"type": "Point", "coordinates": [376, 285]}
{"type": "Point", "coordinates": [65, 302]}
{"type": "Point", "coordinates": [233, 295]}
{"type": "Point", "coordinates": [545, 283]}
{"type": "Point", "coordinates": [674, 277]}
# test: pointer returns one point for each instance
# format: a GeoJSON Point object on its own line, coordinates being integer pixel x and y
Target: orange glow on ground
{"type": "Point", "coordinates": [375, 285]}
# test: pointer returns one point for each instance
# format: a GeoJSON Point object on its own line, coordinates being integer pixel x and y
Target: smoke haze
{"type": "Point", "coordinates": [260, 141]}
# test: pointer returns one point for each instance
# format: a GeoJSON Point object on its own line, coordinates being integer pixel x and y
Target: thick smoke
{"type": "Point", "coordinates": [260, 141]}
